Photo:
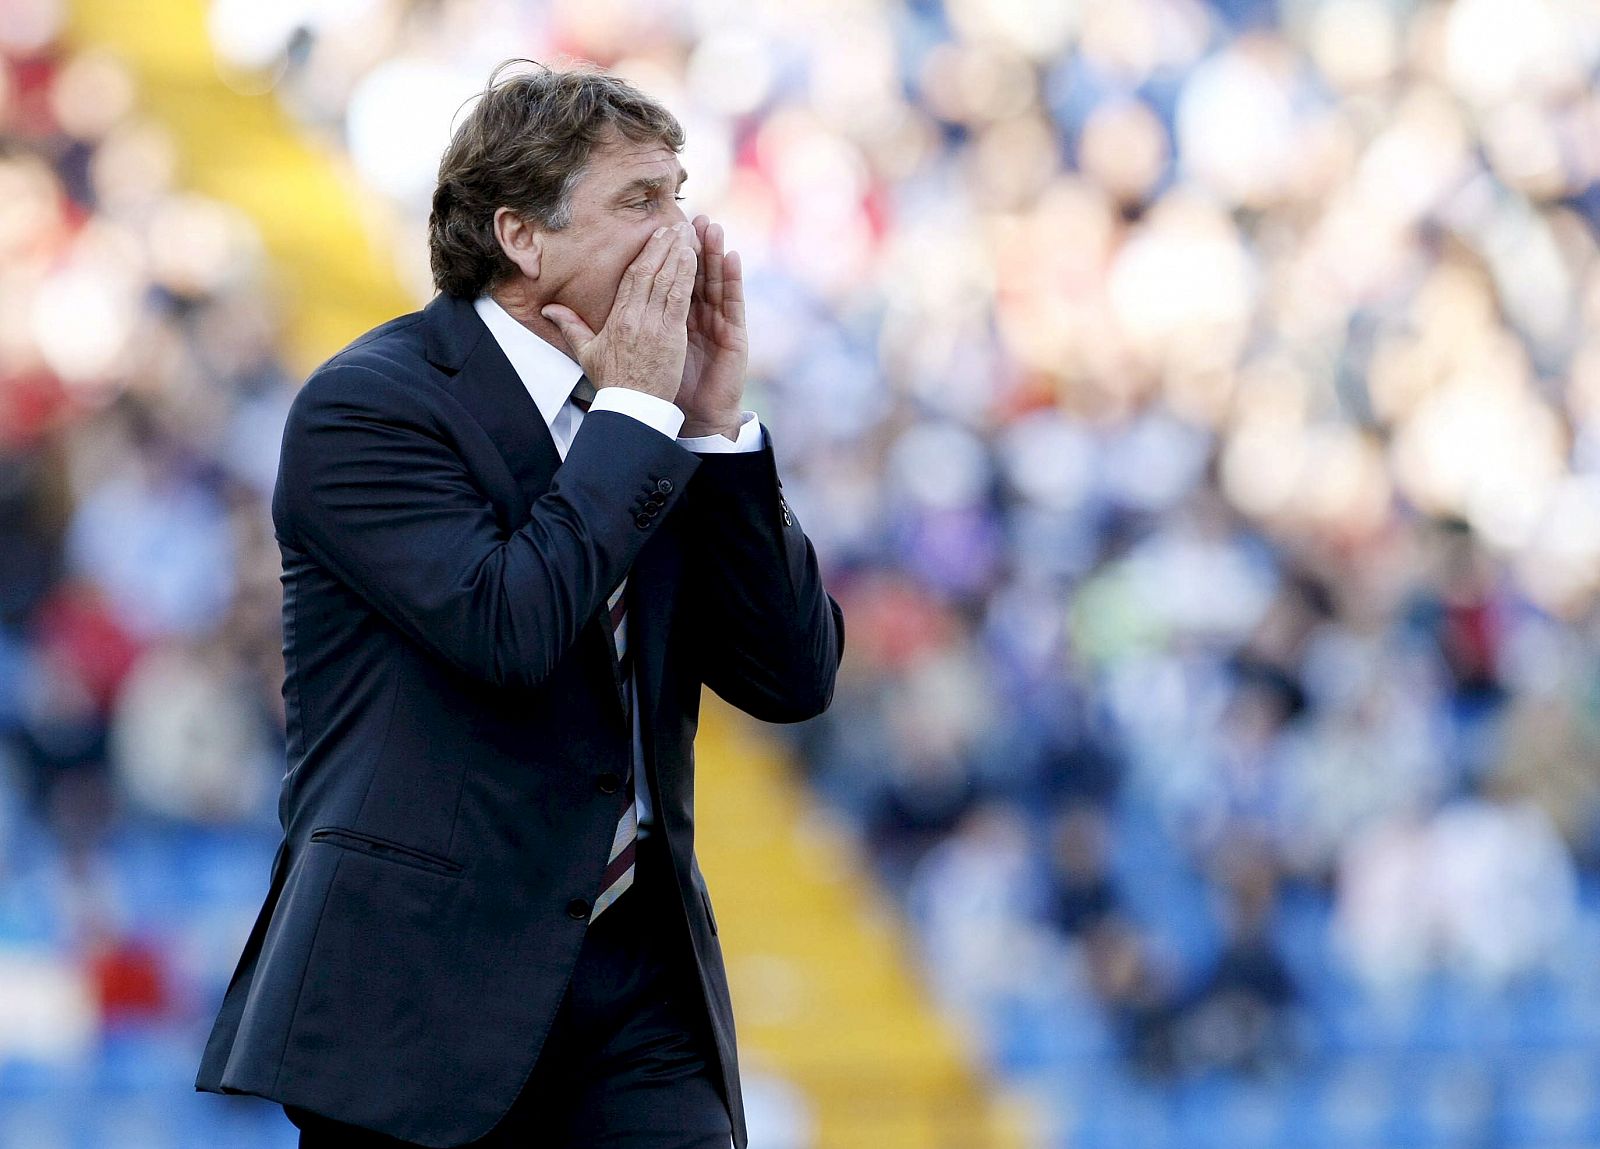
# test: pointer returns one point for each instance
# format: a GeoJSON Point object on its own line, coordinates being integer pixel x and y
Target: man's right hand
{"type": "Point", "coordinates": [642, 343]}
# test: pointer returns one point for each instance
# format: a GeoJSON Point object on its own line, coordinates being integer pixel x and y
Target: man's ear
{"type": "Point", "coordinates": [521, 241]}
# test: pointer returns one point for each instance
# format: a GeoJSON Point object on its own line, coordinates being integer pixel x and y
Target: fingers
{"type": "Point", "coordinates": [675, 304]}
{"type": "Point", "coordinates": [712, 257]}
{"type": "Point", "coordinates": [573, 329]}
{"type": "Point", "coordinates": [701, 224]}
{"type": "Point", "coordinates": [635, 290]}
{"type": "Point", "coordinates": [680, 258]}
{"type": "Point", "coordinates": [731, 287]}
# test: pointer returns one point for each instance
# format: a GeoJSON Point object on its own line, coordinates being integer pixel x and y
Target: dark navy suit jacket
{"type": "Point", "coordinates": [455, 718]}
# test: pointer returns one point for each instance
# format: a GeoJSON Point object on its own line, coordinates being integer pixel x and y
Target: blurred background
{"type": "Point", "coordinates": [1195, 405]}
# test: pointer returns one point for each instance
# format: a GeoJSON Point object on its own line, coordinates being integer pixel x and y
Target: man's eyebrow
{"type": "Point", "coordinates": [647, 184]}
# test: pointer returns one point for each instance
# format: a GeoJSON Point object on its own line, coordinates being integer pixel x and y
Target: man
{"type": "Point", "coordinates": [520, 529]}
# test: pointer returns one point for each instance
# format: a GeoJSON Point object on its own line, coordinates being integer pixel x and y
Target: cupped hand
{"type": "Point", "coordinates": [718, 351]}
{"type": "Point", "coordinates": [643, 342]}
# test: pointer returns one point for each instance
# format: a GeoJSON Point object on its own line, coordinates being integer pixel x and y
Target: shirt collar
{"type": "Point", "coordinates": [547, 372]}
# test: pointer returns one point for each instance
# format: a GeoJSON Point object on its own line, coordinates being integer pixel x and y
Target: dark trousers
{"type": "Point", "coordinates": [629, 1062]}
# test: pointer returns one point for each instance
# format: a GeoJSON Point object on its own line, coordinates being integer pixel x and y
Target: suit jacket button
{"type": "Point", "coordinates": [609, 783]}
{"type": "Point", "coordinates": [664, 486]}
{"type": "Point", "coordinates": [578, 910]}
{"type": "Point", "coordinates": [641, 520]}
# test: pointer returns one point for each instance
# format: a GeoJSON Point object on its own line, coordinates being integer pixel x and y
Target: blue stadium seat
{"type": "Point", "coordinates": [26, 1080]}
{"type": "Point", "coordinates": [1443, 1100]}
{"type": "Point", "coordinates": [1126, 1114]}
{"type": "Point", "coordinates": [138, 1061]}
{"type": "Point", "coordinates": [1551, 1098]}
{"type": "Point", "coordinates": [1352, 1102]}
{"type": "Point", "coordinates": [34, 1124]}
{"type": "Point", "coordinates": [1224, 1112]}
{"type": "Point", "coordinates": [213, 1122]}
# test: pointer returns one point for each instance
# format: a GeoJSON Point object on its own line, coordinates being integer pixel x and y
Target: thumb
{"type": "Point", "coordinates": [573, 329]}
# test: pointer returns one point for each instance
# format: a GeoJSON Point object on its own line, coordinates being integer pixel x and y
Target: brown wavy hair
{"type": "Point", "coordinates": [523, 145]}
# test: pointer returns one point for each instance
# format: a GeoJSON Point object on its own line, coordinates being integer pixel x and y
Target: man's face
{"type": "Point", "coordinates": [626, 192]}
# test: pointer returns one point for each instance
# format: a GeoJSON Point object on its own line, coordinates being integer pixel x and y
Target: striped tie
{"type": "Point", "coordinates": [619, 863]}
{"type": "Point", "coordinates": [618, 875]}
{"type": "Point", "coordinates": [583, 392]}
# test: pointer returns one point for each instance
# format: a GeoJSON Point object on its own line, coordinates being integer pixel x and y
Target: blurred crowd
{"type": "Point", "coordinates": [141, 402]}
{"type": "Point", "coordinates": [1195, 405]}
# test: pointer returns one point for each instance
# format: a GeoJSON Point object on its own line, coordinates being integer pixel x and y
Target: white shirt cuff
{"type": "Point", "coordinates": [651, 410]}
{"type": "Point", "coordinates": [751, 438]}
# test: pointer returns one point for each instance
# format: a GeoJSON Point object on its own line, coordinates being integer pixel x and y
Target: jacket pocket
{"type": "Point", "coordinates": [705, 900]}
{"type": "Point", "coordinates": [384, 849]}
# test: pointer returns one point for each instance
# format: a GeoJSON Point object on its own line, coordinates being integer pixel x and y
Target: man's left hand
{"type": "Point", "coordinates": [719, 347]}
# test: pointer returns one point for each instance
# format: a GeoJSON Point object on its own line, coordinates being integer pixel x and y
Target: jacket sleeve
{"type": "Point", "coordinates": [373, 487]}
{"type": "Point", "coordinates": [770, 636]}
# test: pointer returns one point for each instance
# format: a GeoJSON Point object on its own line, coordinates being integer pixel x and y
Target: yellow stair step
{"type": "Point", "coordinates": [820, 973]}
{"type": "Point", "coordinates": [326, 241]}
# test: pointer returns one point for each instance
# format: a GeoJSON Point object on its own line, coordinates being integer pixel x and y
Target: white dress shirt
{"type": "Point", "coordinates": [549, 375]}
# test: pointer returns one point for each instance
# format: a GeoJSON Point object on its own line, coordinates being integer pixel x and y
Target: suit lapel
{"type": "Point", "coordinates": [484, 382]}
{"type": "Point", "coordinates": [487, 385]}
